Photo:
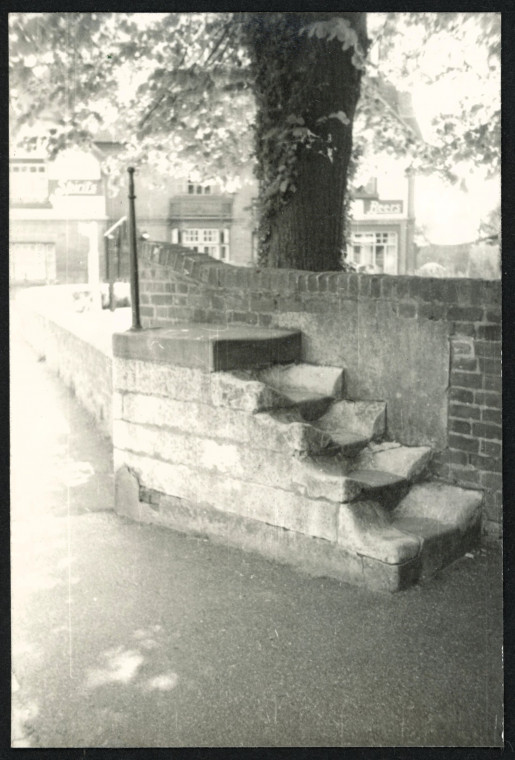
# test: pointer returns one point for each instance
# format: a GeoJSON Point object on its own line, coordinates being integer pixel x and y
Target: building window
{"type": "Point", "coordinates": [28, 183]}
{"type": "Point", "coordinates": [190, 237]}
{"type": "Point", "coordinates": [375, 251]}
{"type": "Point", "coordinates": [194, 189]}
{"type": "Point", "coordinates": [357, 254]}
{"type": "Point", "coordinates": [210, 240]}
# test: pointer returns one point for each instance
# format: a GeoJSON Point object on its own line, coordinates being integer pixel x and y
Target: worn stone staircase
{"type": "Point", "coordinates": [390, 512]}
{"type": "Point", "coordinates": [350, 503]}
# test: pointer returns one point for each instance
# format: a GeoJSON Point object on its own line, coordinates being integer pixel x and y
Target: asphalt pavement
{"type": "Point", "coordinates": [130, 635]}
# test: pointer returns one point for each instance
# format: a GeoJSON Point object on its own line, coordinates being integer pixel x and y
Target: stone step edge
{"type": "Point", "coordinates": [442, 538]}
{"type": "Point", "coordinates": [300, 378]}
{"type": "Point", "coordinates": [210, 347]}
{"type": "Point", "coordinates": [313, 556]}
{"type": "Point", "coordinates": [410, 462]}
{"type": "Point", "coordinates": [440, 544]}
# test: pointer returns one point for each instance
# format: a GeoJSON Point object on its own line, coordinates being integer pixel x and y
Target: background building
{"type": "Point", "coordinates": [197, 215]}
{"type": "Point", "coordinates": [60, 211]}
{"type": "Point", "coordinates": [383, 227]}
{"type": "Point", "coordinates": [57, 217]}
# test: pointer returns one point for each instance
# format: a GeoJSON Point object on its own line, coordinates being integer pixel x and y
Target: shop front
{"type": "Point", "coordinates": [50, 202]}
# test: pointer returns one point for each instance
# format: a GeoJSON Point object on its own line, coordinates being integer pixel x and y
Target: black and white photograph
{"type": "Point", "coordinates": [255, 330]}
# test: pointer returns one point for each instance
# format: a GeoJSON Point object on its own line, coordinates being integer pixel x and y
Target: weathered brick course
{"type": "Point", "coordinates": [489, 332]}
{"type": "Point", "coordinates": [463, 444]}
{"type": "Point", "coordinates": [492, 415]}
{"type": "Point", "coordinates": [465, 411]}
{"type": "Point", "coordinates": [488, 398]}
{"type": "Point", "coordinates": [465, 314]}
{"type": "Point", "coordinates": [466, 379]}
{"type": "Point", "coordinates": [487, 430]}
{"type": "Point", "coordinates": [460, 426]}
{"type": "Point", "coordinates": [460, 362]}
{"type": "Point", "coordinates": [462, 395]}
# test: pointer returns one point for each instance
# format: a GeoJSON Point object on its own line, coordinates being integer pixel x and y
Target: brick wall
{"type": "Point", "coordinates": [430, 348]}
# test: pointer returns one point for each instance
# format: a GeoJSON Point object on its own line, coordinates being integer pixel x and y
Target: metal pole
{"type": "Point", "coordinates": [119, 233]}
{"type": "Point", "coordinates": [133, 254]}
{"type": "Point", "coordinates": [109, 274]}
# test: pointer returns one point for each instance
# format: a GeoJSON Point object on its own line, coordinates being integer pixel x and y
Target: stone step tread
{"type": "Point", "coordinates": [295, 434]}
{"type": "Point", "coordinates": [396, 537]}
{"type": "Point", "coordinates": [314, 380]}
{"type": "Point", "coordinates": [367, 418]}
{"type": "Point", "coordinates": [350, 443]}
{"type": "Point", "coordinates": [311, 408]}
{"type": "Point", "coordinates": [376, 479]}
{"type": "Point", "coordinates": [364, 528]}
{"type": "Point", "coordinates": [327, 477]}
{"type": "Point", "coordinates": [299, 395]}
{"type": "Point", "coordinates": [407, 461]}
{"type": "Point", "coordinates": [209, 346]}
{"type": "Point", "coordinates": [334, 467]}
{"type": "Point", "coordinates": [423, 527]}
{"type": "Point", "coordinates": [441, 502]}
{"type": "Point", "coordinates": [440, 542]}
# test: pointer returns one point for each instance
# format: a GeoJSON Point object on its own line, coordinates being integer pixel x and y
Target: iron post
{"type": "Point", "coordinates": [133, 254]}
{"type": "Point", "coordinates": [109, 273]}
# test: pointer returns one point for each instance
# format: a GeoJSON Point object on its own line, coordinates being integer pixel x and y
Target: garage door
{"type": "Point", "coordinates": [32, 262]}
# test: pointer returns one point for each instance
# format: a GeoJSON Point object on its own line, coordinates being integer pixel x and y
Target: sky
{"type": "Point", "coordinates": [448, 214]}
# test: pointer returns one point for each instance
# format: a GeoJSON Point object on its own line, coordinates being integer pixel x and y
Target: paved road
{"type": "Point", "coordinates": [128, 635]}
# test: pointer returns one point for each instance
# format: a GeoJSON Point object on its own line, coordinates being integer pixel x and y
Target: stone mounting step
{"type": "Point", "coordinates": [368, 418]}
{"type": "Point", "coordinates": [310, 388]}
{"type": "Point", "coordinates": [349, 444]}
{"type": "Point", "coordinates": [409, 462]}
{"type": "Point", "coordinates": [446, 520]}
{"type": "Point", "coordinates": [310, 407]}
{"type": "Point", "coordinates": [325, 477]}
{"type": "Point", "coordinates": [303, 381]}
{"type": "Point", "coordinates": [210, 347]}
{"type": "Point", "coordinates": [430, 527]}
{"type": "Point", "coordinates": [341, 495]}
{"type": "Point", "coordinates": [365, 529]}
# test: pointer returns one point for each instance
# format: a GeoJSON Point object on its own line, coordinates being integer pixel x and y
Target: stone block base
{"type": "Point", "coordinates": [314, 556]}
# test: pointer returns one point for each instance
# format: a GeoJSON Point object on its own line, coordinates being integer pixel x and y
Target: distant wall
{"type": "Point", "coordinates": [429, 347]}
{"type": "Point", "coordinates": [83, 363]}
{"type": "Point", "coordinates": [71, 248]}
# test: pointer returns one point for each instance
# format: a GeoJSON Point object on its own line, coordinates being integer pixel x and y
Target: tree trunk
{"type": "Point", "coordinates": [302, 156]}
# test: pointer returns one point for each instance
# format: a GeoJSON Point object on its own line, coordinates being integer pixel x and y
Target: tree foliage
{"type": "Point", "coordinates": [195, 97]}
{"type": "Point", "coordinates": [173, 87]}
{"type": "Point", "coordinates": [183, 89]}
{"type": "Point", "coordinates": [456, 56]}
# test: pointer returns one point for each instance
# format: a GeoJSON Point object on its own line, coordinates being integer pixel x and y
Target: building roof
{"type": "Point", "coordinates": [400, 103]}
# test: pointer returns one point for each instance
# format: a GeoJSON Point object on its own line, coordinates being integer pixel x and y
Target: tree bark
{"type": "Point", "coordinates": [303, 157]}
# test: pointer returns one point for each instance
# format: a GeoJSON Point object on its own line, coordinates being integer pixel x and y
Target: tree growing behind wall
{"type": "Point", "coordinates": [201, 94]}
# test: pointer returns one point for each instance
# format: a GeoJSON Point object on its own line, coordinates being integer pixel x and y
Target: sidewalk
{"type": "Point", "coordinates": [129, 635]}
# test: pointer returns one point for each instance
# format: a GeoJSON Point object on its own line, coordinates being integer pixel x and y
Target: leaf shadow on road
{"type": "Point", "coordinates": [127, 665]}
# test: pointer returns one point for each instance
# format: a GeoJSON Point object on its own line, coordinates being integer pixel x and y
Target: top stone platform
{"type": "Point", "coordinates": [210, 347]}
